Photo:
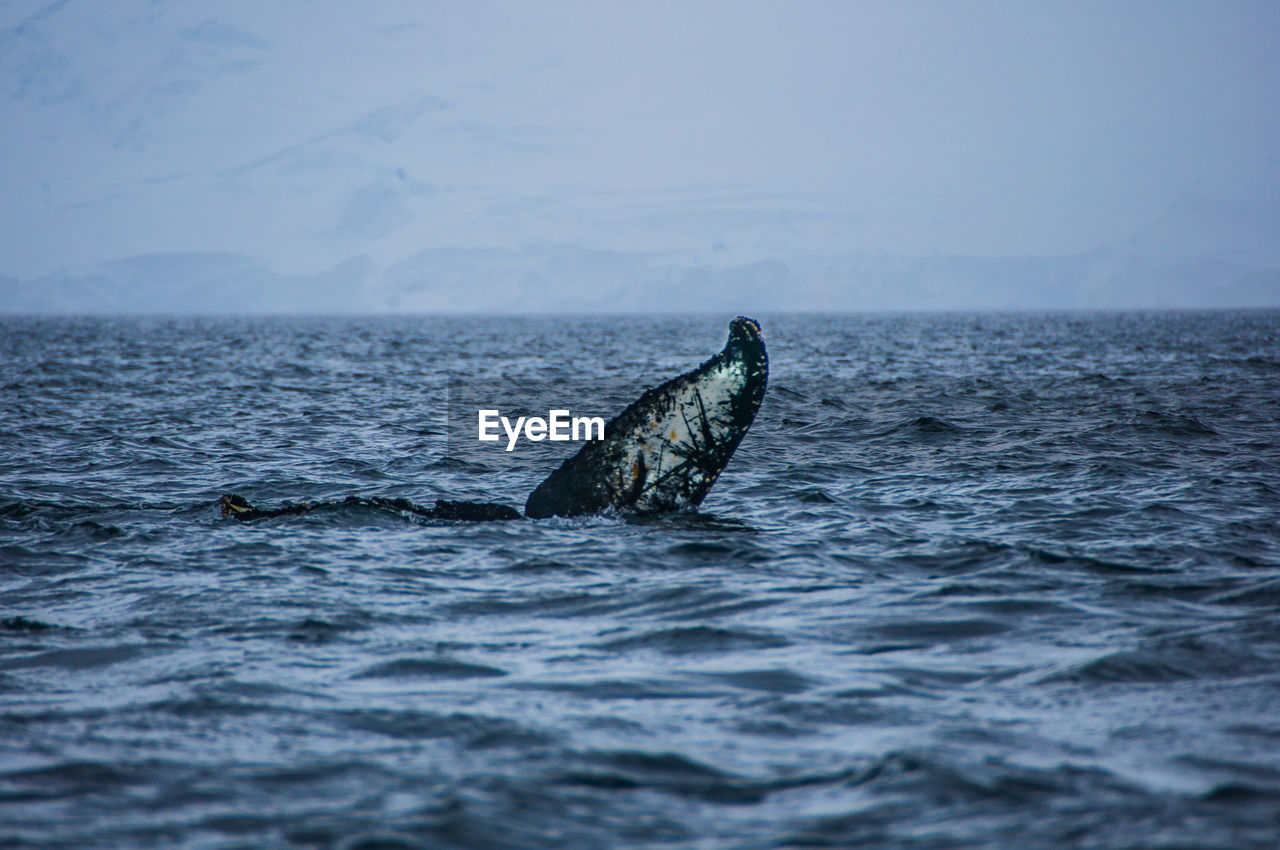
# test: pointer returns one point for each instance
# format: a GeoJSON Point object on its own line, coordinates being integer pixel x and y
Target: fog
{"type": "Point", "coordinates": [235, 156]}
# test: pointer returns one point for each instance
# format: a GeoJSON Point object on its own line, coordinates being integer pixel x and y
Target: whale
{"type": "Point", "coordinates": [665, 450]}
{"type": "Point", "coordinates": [662, 453]}
{"type": "Point", "coordinates": [235, 505]}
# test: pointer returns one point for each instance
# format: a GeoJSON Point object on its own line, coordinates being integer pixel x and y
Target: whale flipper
{"type": "Point", "coordinates": [666, 450]}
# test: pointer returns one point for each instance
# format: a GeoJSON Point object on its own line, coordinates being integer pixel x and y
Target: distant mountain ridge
{"type": "Point", "coordinates": [572, 278]}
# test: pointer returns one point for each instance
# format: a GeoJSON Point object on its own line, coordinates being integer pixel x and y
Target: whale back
{"type": "Point", "coordinates": [666, 449]}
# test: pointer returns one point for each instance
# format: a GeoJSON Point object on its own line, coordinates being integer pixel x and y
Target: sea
{"type": "Point", "coordinates": [970, 580]}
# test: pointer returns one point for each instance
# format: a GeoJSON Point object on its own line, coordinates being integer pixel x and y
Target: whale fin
{"type": "Point", "coordinates": [666, 450]}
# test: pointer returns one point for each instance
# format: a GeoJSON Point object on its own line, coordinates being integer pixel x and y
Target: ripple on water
{"type": "Point", "coordinates": [697, 640]}
{"type": "Point", "coordinates": [431, 668]}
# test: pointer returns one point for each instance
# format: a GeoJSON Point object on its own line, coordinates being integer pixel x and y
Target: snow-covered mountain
{"type": "Point", "coordinates": [395, 155]}
{"type": "Point", "coordinates": [572, 278]}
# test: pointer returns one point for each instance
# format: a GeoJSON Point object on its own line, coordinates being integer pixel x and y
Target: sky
{"type": "Point", "coordinates": [307, 133]}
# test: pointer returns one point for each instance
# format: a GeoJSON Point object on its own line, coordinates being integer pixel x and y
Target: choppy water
{"type": "Point", "coordinates": [969, 581]}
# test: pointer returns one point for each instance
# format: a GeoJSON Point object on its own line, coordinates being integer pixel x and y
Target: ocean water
{"type": "Point", "coordinates": [970, 581]}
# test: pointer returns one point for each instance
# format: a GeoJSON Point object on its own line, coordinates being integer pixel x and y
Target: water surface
{"type": "Point", "coordinates": [970, 580]}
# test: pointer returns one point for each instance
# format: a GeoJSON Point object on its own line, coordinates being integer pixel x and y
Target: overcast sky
{"type": "Point", "coordinates": [303, 133]}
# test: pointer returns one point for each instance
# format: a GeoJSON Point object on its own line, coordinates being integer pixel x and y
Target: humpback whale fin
{"type": "Point", "coordinates": [666, 450]}
{"type": "Point", "coordinates": [662, 453]}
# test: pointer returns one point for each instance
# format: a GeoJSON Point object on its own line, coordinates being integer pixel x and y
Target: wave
{"type": "Point", "coordinates": [697, 640]}
{"type": "Point", "coordinates": [1166, 660]}
{"type": "Point", "coordinates": [431, 668]}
